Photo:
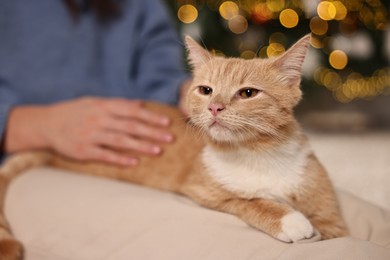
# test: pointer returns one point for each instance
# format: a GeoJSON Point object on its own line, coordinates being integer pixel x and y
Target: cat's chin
{"type": "Point", "coordinates": [220, 133]}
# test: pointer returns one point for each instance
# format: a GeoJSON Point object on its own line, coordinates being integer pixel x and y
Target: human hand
{"type": "Point", "coordinates": [93, 128]}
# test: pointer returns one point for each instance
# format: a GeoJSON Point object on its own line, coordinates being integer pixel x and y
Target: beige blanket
{"type": "Point", "coordinates": [60, 215]}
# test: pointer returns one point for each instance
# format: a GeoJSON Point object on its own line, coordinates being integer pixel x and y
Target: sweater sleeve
{"type": "Point", "coordinates": [161, 64]}
{"type": "Point", "coordinates": [5, 107]}
{"type": "Point", "coordinates": [8, 100]}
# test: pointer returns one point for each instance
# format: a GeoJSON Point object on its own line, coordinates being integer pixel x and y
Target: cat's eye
{"type": "Point", "coordinates": [205, 90]}
{"type": "Point", "coordinates": [248, 92]}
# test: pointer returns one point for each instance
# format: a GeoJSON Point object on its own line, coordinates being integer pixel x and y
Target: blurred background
{"type": "Point", "coordinates": [346, 75]}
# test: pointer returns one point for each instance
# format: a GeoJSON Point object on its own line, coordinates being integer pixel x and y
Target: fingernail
{"type": "Point", "coordinates": [164, 121]}
{"type": "Point", "coordinates": [168, 138]}
{"type": "Point", "coordinates": [156, 149]}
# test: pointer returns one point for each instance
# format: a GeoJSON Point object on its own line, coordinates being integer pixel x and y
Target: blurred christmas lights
{"type": "Point", "coordinates": [187, 13]}
{"type": "Point", "coordinates": [238, 24]}
{"type": "Point", "coordinates": [288, 18]}
{"type": "Point", "coordinates": [326, 10]}
{"type": "Point", "coordinates": [318, 26]}
{"type": "Point", "coordinates": [338, 59]}
{"type": "Point", "coordinates": [322, 17]}
{"type": "Point", "coordinates": [228, 10]}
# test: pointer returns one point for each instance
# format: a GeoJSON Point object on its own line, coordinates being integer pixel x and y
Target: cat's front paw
{"type": "Point", "coordinates": [295, 226]}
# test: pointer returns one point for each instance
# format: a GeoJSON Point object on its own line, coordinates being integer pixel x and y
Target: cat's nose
{"type": "Point", "coordinates": [215, 108]}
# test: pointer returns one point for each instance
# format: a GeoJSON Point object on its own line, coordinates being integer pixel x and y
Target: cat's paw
{"type": "Point", "coordinates": [294, 227]}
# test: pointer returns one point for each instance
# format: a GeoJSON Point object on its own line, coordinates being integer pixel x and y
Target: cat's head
{"type": "Point", "coordinates": [235, 100]}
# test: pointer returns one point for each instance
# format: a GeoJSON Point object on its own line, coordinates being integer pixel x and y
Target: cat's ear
{"type": "Point", "coordinates": [290, 63]}
{"type": "Point", "coordinates": [197, 55]}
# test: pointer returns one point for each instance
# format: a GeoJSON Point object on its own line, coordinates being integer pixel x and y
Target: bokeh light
{"type": "Point", "coordinates": [380, 19]}
{"type": "Point", "coordinates": [275, 5]}
{"type": "Point", "coordinates": [366, 16]}
{"type": "Point", "coordinates": [318, 26]}
{"type": "Point", "coordinates": [275, 49]}
{"type": "Point", "coordinates": [338, 59]}
{"type": "Point", "coordinates": [187, 14]}
{"type": "Point", "coordinates": [238, 24]}
{"type": "Point", "coordinates": [261, 13]}
{"type": "Point", "coordinates": [228, 10]}
{"type": "Point", "coordinates": [355, 85]}
{"type": "Point", "coordinates": [353, 5]}
{"type": "Point", "coordinates": [326, 10]}
{"type": "Point", "coordinates": [341, 10]}
{"type": "Point", "coordinates": [263, 52]}
{"type": "Point", "coordinates": [289, 18]}
{"type": "Point", "coordinates": [248, 54]}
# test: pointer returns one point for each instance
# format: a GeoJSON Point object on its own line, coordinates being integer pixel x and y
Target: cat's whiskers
{"type": "Point", "coordinates": [249, 125]}
{"type": "Point", "coordinates": [239, 128]}
{"type": "Point", "coordinates": [199, 122]}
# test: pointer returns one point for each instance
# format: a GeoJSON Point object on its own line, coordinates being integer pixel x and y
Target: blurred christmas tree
{"type": "Point", "coordinates": [351, 38]}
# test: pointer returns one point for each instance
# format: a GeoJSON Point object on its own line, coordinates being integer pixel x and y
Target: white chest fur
{"type": "Point", "coordinates": [272, 174]}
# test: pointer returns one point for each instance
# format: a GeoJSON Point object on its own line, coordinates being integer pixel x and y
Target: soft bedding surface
{"type": "Point", "coordinates": [60, 215]}
{"type": "Point", "coordinates": [358, 163]}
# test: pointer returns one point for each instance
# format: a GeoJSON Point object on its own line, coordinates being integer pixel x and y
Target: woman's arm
{"type": "Point", "coordinates": [161, 67]}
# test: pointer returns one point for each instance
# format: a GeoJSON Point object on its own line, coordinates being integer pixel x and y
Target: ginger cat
{"type": "Point", "coordinates": [243, 152]}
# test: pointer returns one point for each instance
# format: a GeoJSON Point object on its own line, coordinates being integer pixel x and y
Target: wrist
{"type": "Point", "coordinates": [25, 129]}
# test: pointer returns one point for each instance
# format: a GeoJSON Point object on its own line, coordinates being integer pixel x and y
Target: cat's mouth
{"type": "Point", "coordinates": [215, 123]}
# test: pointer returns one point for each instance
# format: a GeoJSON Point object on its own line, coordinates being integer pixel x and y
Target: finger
{"type": "Point", "coordinates": [152, 117]}
{"type": "Point", "coordinates": [135, 109]}
{"type": "Point", "coordinates": [123, 141]}
{"type": "Point", "coordinates": [101, 154]}
{"type": "Point", "coordinates": [139, 129]}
